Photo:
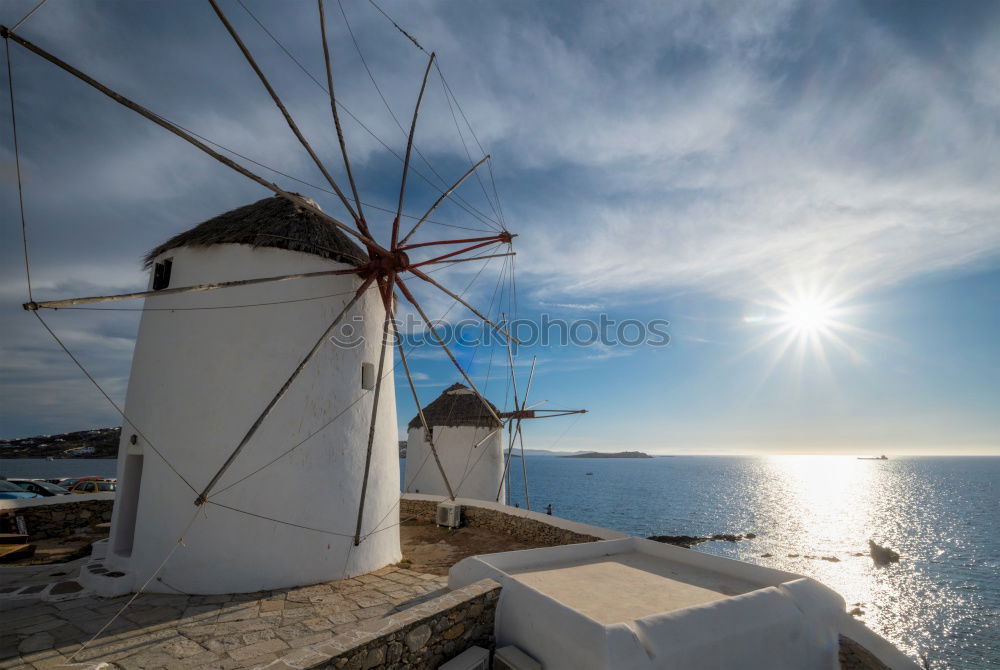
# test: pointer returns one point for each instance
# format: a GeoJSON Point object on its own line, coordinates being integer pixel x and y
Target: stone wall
{"type": "Point", "coordinates": [517, 526]}
{"type": "Point", "coordinates": [423, 636]}
{"type": "Point", "coordinates": [57, 519]}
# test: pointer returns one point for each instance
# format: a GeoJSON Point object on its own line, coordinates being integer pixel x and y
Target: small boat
{"type": "Point", "coordinates": [590, 473]}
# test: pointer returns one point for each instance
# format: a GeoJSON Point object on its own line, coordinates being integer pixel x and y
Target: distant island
{"type": "Point", "coordinates": [600, 454]}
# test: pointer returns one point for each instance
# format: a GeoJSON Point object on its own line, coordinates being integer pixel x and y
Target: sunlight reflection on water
{"type": "Point", "coordinates": [940, 514]}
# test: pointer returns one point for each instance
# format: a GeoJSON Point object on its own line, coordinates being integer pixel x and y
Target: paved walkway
{"type": "Point", "coordinates": [223, 632]}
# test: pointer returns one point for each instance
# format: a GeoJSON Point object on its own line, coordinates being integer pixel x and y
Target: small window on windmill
{"type": "Point", "coordinates": [161, 274]}
{"type": "Point", "coordinates": [367, 376]}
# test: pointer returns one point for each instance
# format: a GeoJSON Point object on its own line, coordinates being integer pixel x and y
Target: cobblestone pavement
{"type": "Point", "coordinates": [224, 631]}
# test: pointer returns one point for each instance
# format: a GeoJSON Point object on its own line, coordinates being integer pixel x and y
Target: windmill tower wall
{"type": "Point", "coordinates": [473, 472]}
{"type": "Point", "coordinates": [199, 380]}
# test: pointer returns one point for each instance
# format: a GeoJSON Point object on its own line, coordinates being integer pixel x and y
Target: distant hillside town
{"type": "Point", "coordinates": [96, 443]}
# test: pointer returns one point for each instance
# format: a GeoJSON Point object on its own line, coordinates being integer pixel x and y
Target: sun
{"type": "Point", "coordinates": [804, 319]}
{"type": "Point", "coordinates": [807, 315]}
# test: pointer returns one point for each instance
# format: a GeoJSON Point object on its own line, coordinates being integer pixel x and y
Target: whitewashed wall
{"type": "Point", "coordinates": [200, 378]}
{"type": "Point", "coordinates": [474, 472]}
{"type": "Point", "coordinates": [790, 621]}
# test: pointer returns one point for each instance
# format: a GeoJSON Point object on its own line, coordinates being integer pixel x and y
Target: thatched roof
{"type": "Point", "coordinates": [457, 406]}
{"type": "Point", "coordinates": [271, 222]}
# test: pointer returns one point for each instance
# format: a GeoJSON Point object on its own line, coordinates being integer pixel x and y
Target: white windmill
{"type": "Point", "coordinates": [224, 398]}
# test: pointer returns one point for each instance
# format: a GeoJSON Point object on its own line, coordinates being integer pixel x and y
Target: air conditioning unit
{"type": "Point", "coordinates": [473, 658]}
{"type": "Point", "coordinates": [449, 514]}
{"type": "Point", "coordinates": [512, 658]}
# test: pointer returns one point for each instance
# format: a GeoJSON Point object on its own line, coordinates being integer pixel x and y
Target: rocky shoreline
{"type": "Point", "coordinates": [881, 556]}
{"type": "Point", "coordinates": [688, 541]}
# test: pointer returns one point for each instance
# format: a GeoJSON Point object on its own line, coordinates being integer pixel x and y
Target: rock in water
{"type": "Point", "coordinates": [686, 541]}
{"type": "Point", "coordinates": [882, 555]}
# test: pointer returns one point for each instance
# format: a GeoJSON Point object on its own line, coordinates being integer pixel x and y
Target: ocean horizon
{"type": "Point", "coordinates": [811, 515]}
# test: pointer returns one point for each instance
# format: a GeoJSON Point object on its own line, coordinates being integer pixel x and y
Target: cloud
{"type": "Point", "coordinates": [712, 147]}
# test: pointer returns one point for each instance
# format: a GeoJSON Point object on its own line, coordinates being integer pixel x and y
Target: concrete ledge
{"type": "Point", "coordinates": [516, 522]}
{"type": "Point", "coordinates": [424, 635]}
{"type": "Point", "coordinates": [23, 503]}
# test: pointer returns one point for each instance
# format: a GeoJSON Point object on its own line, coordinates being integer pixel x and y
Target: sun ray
{"type": "Point", "coordinates": [805, 321]}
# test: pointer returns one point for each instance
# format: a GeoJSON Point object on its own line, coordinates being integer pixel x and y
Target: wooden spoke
{"type": "Point", "coordinates": [362, 224]}
{"type": "Point", "coordinates": [488, 436]}
{"type": "Point", "coordinates": [450, 254]}
{"type": "Point", "coordinates": [284, 111]}
{"type": "Point", "coordinates": [406, 158]}
{"type": "Point", "coordinates": [531, 377]}
{"type": "Point", "coordinates": [472, 258]}
{"type": "Point", "coordinates": [556, 413]}
{"type": "Point", "coordinates": [524, 466]}
{"type": "Point", "coordinates": [371, 426]}
{"type": "Point", "coordinates": [440, 340]}
{"type": "Point", "coordinates": [440, 199]}
{"type": "Point", "coordinates": [200, 500]}
{"type": "Point", "coordinates": [520, 435]}
{"type": "Point", "coordinates": [420, 412]}
{"type": "Point", "coordinates": [56, 304]}
{"type": "Point", "coordinates": [295, 199]}
{"type": "Point", "coordinates": [472, 309]}
{"type": "Point", "coordinates": [503, 237]}
{"type": "Point", "coordinates": [506, 465]}
{"type": "Point", "coordinates": [517, 406]}
{"type": "Point", "coordinates": [510, 363]}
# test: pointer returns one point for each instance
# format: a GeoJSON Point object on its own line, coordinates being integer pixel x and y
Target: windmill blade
{"type": "Point", "coordinates": [524, 466]}
{"type": "Point", "coordinates": [406, 159]}
{"type": "Point", "coordinates": [184, 135]}
{"type": "Point", "coordinates": [440, 199]}
{"type": "Point", "coordinates": [520, 434]}
{"type": "Point", "coordinates": [531, 377]}
{"type": "Point", "coordinates": [510, 364]}
{"type": "Point", "coordinates": [560, 413]}
{"type": "Point", "coordinates": [487, 243]}
{"type": "Point", "coordinates": [66, 302]}
{"type": "Point", "coordinates": [420, 411]}
{"type": "Point", "coordinates": [499, 237]}
{"type": "Point", "coordinates": [362, 224]}
{"type": "Point", "coordinates": [284, 111]}
{"type": "Point", "coordinates": [472, 258]}
{"type": "Point", "coordinates": [472, 309]}
{"type": "Point", "coordinates": [517, 406]}
{"type": "Point", "coordinates": [371, 427]}
{"type": "Point", "coordinates": [488, 436]}
{"type": "Point", "coordinates": [200, 500]}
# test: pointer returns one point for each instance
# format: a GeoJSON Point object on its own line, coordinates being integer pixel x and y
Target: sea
{"type": "Point", "coordinates": [942, 514]}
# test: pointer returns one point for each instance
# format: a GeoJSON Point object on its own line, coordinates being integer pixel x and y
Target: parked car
{"type": "Point", "coordinates": [69, 482]}
{"type": "Point", "coordinates": [40, 486]}
{"type": "Point", "coordinates": [94, 486]}
{"type": "Point", "coordinates": [10, 491]}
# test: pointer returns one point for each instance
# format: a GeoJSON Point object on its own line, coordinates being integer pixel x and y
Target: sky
{"type": "Point", "coordinates": [806, 192]}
